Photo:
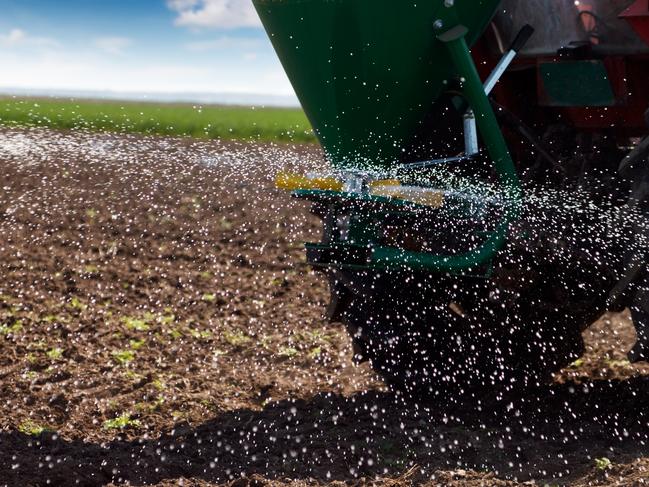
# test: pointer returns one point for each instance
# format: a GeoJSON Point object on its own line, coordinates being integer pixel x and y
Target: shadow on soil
{"type": "Point", "coordinates": [553, 433]}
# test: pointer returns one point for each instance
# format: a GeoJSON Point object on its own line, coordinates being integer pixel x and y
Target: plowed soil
{"type": "Point", "coordinates": [158, 326]}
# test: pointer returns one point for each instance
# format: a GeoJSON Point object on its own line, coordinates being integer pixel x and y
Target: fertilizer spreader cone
{"type": "Point", "coordinates": [367, 71]}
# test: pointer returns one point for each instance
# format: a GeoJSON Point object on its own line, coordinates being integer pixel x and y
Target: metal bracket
{"type": "Point", "coordinates": [471, 146]}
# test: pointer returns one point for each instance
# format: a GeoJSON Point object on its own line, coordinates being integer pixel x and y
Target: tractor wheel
{"type": "Point", "coordinates": [424, 344]}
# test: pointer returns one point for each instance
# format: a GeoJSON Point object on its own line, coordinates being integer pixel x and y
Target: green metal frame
{"type": "Point", "coordinates": [473, 91]}
{"type": "Point", "coordinates": [366, 73]}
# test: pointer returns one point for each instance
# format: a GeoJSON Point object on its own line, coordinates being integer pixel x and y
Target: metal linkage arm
{"type": "Point", "coordinates": [470, 131]}
{"type": "Point", "coordinates": [478, 101]}
{"type": "Point", "coordinates": [505, 61]}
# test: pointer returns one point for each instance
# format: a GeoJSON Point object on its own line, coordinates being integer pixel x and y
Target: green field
{"type": "Point", "coordinates": [212, 121]}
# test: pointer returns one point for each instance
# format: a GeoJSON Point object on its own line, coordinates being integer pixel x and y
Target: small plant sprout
{"type": "Point", "coordinates": [31, 428]}
{"type": "Point", "coordinates": [288, 352]}
{"type": "Point", "coordinates": [11, 329]}
{"type": "Point", "coordinates": [136, 344]}
{"type": "Point", "coordinates": [54, 353]}
{"type": "Point", "coordinates": [175, 333]}
{"type": "Point", "coordinates": [77, 304]}
{"type": "Point", "coordinates": [167, 319]}
{"type": "Point", "coordinates": [135, 324]}
{"type": "Point", "coordinates": [209, 297]}
{"type": "Point", "coordinates": [603, 464]}
{"type": "Point", "coordinates": [123, 357]}
{"type": "Point", "coordinates": [121, 422]}
{"type": "Point", "coordinates": [200, 334]}
{"type": "Point", "coordinates": [577, 363]}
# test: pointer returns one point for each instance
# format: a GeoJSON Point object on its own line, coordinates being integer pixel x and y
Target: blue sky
{"type": "Point", "coordinates": [151, 46]}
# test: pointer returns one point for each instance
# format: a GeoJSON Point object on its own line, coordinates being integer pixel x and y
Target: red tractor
{"type": "Point", "coordinates": [578, 95]}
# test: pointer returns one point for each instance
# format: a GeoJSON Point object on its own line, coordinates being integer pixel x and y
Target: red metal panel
{"type": "Point", "coordinates": [637, 15]}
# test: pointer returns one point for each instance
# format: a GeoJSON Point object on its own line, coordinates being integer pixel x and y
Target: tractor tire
{"type": "Point", "coordinates": [424, 345]}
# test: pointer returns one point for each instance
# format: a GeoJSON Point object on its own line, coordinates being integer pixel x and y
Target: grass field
{"type": "Point", "coordinates": [225, 122]}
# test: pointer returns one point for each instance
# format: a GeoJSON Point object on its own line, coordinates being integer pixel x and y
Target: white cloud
{"type": "Point", "coordinates": [15, 36]}
{"type": "Point", "coordinates": [112, 45]}
{"type": "Point", "coordinates": [227, 14]}
{"type": "Point", "coordinates": [83, 70]}
{"type": "Point", "coordinates": [224, 42]}
{"type": "Point", "coordinates": [20, 38]}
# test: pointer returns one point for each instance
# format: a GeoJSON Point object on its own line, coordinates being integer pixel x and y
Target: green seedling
{"type": "Point", "coordinates": [209, 297]}
{"type": "Point", "coordinates": [75, 303]}
{"type": "Point", "coordinates": [315, 352]}
{"type": "Point", "coordinates": [121, 422]}
{"type": "Point", "coordinates": [31, 428]}
{"type": "Point", "coordinates": [288, 352]}
{"type": "Point", "coordinates": [136, 344]}
{"type": "Point", "coordinates": [175, 333]}
{"type": "Point", "coordinates": [313, 337]}
{"type": "Point", "coordinates": [123, 357]}
{"type": "Point", "coordinates": [200, 334]}
{"type": "Point", "coordinates": [277, 281]}
{"type": "Point", "coordinates": [157, 404]}
{"type": "Point", "coordinates": [618, 363]}
{"type": "Point", "coordinates": [54, 353]}
{"type": "Point", "coordinates": [11, 329]}
{"type": "Point", "coordinates": [264, 341]}
{"type": "Point", "coordinates": [603, 464]}
{"type": "Point", "coordinates": [167, 319]}
{"type": "Point", "coordinates": [135, 324]}
{"type": "Point", "coordinates": [577, 363]}
{"type": "Point", "coordinates": [91, 213]}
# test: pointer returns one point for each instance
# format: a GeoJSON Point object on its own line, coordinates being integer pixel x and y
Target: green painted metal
{"type": "Point", "coordinates": [473, 91]}
{"type": "Point", "coordinates": [577, 84]}
{"type": "Point", "coordinates": [367, 71]}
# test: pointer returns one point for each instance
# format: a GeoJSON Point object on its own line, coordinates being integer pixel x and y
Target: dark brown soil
{"type": "Point", "coordinates": [158, 326]}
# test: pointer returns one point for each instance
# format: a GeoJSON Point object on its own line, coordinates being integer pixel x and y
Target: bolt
{"type": "Point", "coordinates": [438, 24]}
{"type": "Point", "coordinates": [449, 3]}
